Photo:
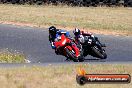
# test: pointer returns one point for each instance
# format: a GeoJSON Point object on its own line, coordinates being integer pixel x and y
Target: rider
{"type": "Point", "coordinates": [79, 37]}
{"type": "Point", "coordinates": [54, 35]}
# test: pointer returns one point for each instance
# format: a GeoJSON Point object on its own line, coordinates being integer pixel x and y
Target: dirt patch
{"type": "Point", "coordinates": [95, 31]}
{"type": "Point", "coordinates": [18, 23]}
{"type": "Point", "coordinates": [105, 32]}
{"type": "Point", "coordinates": [101, 20]}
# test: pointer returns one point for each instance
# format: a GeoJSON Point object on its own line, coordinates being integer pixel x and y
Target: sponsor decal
{"type": "Point", "coordinates": [83, 78]}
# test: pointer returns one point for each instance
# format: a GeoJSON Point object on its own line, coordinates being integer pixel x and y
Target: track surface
{"type": "Point", "coordinates": [35, 45]}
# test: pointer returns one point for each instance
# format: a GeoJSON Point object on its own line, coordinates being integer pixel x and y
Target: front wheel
{"type": "Point", "coordinates": [71, 55]}
{"type": "Point", "coordinates": [100, 53]}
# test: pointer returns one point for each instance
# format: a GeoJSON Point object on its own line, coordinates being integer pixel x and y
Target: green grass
{"type": "Point", "coordinates": [63, 76]}
{"type": "Point", "coordinates": [11, 57]}
{"type": "Point", "coordinates": [108, 19]}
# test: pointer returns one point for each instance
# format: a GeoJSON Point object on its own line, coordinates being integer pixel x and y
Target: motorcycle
{"type": "Point", "coordinates": [93, 47]}
{"type": "Point", "coordinates": [68, 48]}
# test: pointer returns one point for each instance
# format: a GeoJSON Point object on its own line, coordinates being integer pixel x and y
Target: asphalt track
{"type": "Point", "coordinates": [33, 42]}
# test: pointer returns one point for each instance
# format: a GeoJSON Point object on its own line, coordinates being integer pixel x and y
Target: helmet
{"type": "Point", "coordinates": [76, 32]}
{"type": "Point", "coordinates": [52, 30]}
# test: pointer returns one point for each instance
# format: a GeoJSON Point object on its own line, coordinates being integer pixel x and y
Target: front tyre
{"type": "Point", "coordinates": [104, 55]}
{"type": "Point", "coordinates": [100, 53]}
{"type": "Point", "coordinates": [71, 55]}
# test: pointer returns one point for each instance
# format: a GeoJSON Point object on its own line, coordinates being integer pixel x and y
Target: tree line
{"type": "Point", "coordinates": [86, 3]}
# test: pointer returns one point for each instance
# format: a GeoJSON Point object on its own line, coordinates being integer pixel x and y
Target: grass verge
{"type": "Point", "coordinates": [59, 76]}
{"type": "Point", "coordinates": [106, 20]}
{"type": "Point", "coordinates": [11, 57]}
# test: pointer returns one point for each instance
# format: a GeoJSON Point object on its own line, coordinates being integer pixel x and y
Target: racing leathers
{"type": "Point", "coordinates": [80, 39]}
{"type": "Point", "coordinates": [56, 37]}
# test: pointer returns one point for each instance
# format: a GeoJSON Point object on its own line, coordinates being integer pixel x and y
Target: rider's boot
{"type": "Point", "coordinates": [67, 59]}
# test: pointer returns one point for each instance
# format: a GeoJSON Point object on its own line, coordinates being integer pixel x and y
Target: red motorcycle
{"type": "Point", "coordinates": [66, 47]}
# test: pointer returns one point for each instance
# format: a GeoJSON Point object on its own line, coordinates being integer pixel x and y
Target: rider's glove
{"type": "Point", "coordinates": [89, 41]}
